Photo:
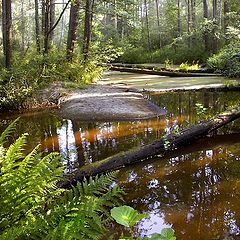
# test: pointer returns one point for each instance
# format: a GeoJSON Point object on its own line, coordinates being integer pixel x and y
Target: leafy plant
{"type": "Point", "coordinates": [184, 67]}
{"type": "Point", "coordinates": [129, 217]}
{"type": "Point", "coordinates": [200, 111]}
{"type": "Point", "coordinates": [227, 61]}
{"type": "Point", "coordinates": [34, 208]}
{"type": "Point", "coordinates": [166, 234]}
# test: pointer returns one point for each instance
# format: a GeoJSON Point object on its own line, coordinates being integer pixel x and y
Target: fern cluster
{"type": "Point", "coordinates": [32, 207]}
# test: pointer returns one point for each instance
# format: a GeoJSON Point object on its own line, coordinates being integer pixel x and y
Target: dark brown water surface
{"type": "Point", "coordinates": [195, 190]}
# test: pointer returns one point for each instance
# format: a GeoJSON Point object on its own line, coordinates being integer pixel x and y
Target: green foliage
{"type": "Point", "coordinates": [166, 234]}
{"type": "Point", "coordinates": [34, 71]}
{"type": "Point", "coordinates": [200, 111]}
{"type": "Point", "coordinates": [184, 67]}
{"type": "Point", "coordinates": [127, 216]}
{"type": "Point", "coordinates": [227, 61]}
{"type": "Point", "coordinates": [34, 208]}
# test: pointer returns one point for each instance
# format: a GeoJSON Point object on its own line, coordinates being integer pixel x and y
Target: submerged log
{"type": "Point", "coordinates": [157, 148]}
{"type": "Point", "coordinates": [163, 72]}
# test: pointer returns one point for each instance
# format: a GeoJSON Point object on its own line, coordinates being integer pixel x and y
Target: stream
{"type": "Point", "coordinates": [196, 190]}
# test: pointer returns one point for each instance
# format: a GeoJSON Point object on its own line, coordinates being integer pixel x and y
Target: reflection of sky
{"type": "Point", "coordinates": [153, 224]}
{"type": "Point", "coordinates": [67, 145]}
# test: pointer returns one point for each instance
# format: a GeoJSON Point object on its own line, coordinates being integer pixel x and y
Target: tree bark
{"type": "Point", "coordinates": [51, 20]}
{"type": "Point", "coordinates": [158, 24]}
{"type": "Point", "coordinates": [179, 18]}
{"type": "Point", "coordinates": [205, 16]}
{"type": "Point", "coordinates": [6, 31]}
{"type": "Point", "coordinates": [147, 25]}
{"type": "Point", "coordinates": [37, 28]}
{"type": "Point", "coordinates": [73, 25]}
{"type": "Point", "coordinates": [225, 18]}
{"type": "Point", "coordinates": [157, 148]}
{"type": "Point", "coordinates": [46, 13]}
{"type": "Point", "coordinates": [87, 28]}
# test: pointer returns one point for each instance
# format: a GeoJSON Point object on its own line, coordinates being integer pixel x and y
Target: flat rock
{"type": "Point", "coordinates": [100, 103]}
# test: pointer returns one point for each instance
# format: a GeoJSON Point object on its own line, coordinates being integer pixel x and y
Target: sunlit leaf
{"type": "Point", "coordinates": [126, 216]}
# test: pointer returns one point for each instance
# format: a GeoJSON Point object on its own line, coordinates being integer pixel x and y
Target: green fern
{"type": "Point", "coordinates": [34, 208]}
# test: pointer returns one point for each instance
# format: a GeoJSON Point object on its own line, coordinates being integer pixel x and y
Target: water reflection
{"type": "Point", "coordinates": [195, 193]}
{"type": "Point", "coordinates": [195, 190]}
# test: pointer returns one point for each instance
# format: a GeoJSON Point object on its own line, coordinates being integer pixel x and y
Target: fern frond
{"type": "Point", "coordinates": [8, 131]}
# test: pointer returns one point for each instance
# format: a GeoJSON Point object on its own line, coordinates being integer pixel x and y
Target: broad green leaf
{"type": "Point", "coordinates": [126, 216]}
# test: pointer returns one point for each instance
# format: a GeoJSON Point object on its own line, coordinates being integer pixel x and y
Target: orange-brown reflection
{"type": "Point", "coordinates": [123, 130]}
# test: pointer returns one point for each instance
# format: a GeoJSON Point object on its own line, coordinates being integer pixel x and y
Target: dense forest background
{"type": "Point", "coordinates": [47, 40]}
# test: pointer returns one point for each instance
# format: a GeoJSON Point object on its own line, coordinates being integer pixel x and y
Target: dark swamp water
{"type": "Point", "coordinates": [196, 190]}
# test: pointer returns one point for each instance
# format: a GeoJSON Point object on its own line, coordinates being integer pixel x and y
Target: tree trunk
{"type": "Point", "coordinates": [6, 31]}
{"type": "Point", "coordinates": [73, 25]}
{"type": "Point", "coordinates": [179, 18]}
{"type": "Point", "coordinates": [215, 19]}
{"type": "Point", "coordinates": [158, 24]}
{"type": "Point", "coordinates": [156, 148]}
{"type": "Point", "coordinates": [37, 28]}
{"type": "Point", "coordinates": [87, 28]}
{"type": "Point", "coordinates": [147, 25]}
{"type": "Point", "coordinates": [226, 18]}
{"type": "Point", "coordinates": [214, 8]}
{"type": "Point", "coordinates": [189, 23]}
{"type": "Point", "coordinates": [193, 13]}
{"type": "Point", "coordinates": [62, 28]}
{"type": "Point", "coordinates": [51, 20]}
{"type": "Point", "coordinates": [22, 26]}
{"type": "Point", "coordinates": [205, 34]}
{"type": "Point", "coordinates": [46, 25]}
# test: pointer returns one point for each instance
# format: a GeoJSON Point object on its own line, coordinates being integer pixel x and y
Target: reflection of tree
{"type": "Point", "coordinates": [198, 193]}
{"type": "Point", "coordinates": [78, 143]}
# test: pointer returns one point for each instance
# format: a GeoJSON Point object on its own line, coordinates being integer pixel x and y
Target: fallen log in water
{"type": "Point", "coordinates": [158, 147]}
{"type": "Point", "coordinates": [162, 73]}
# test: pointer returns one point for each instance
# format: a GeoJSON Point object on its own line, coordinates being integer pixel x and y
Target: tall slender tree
{"type": "Point", "coordinates": [73, 25]}
{"type": "Point", "coordinates": [37, 26]}
{"type": "Point", "coordinates": [6, 31]}
{"type": "Point", "coordinates": [158, 23]}
{"type": "Point", "coordinates": [87, 27]}
{"type": "Point", "coordinates": [205, 16]}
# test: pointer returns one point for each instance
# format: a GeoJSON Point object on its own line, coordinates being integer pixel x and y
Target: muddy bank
{"type": "Point", "coordinates": [100, 103]}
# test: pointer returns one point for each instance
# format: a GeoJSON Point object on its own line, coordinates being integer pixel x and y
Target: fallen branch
{"type": "Point", "coordinates": [156, 148]}
{"type": "Point", "coordinates": [163, 73]}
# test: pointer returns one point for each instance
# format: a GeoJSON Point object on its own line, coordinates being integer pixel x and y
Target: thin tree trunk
{"type": "Point", "coordinates": [158, 147]}
{"type": "Point", "coordinates": [23, 26]}
{"type": "Point", "coordinates": [214, 8]}
{"type": "Point", "coordinates": [179, 18]}
{"type": "Point", "coordinates": [147, 25]}
{"type": "Point", "coordinates": [226, 18]}
{"type": "Point", "coordinates": [37, 28]}
{"type": "Point", "coordinates": [73, 25]}
{"type": "Point", "coordinates": [87, 28]}
{"type": "Point", "coordinates": [205, 34]}
{"type": "Point", "coordinates": [158, 24]}
{"type": "Point", "coordinates": [215, 19]}
{"type": "Point", "coordinates": [6, 31]}
{"type": "Point", "coordinates": [189, 22]}
{"type": "Point", "coordinates": [46, 26]}
{"type": "Point", "coordinates": [62, 28]}
{"type": "Point", "coordinates": [193, 13]}
{"type": "Point", "coordinates": [51, 20]}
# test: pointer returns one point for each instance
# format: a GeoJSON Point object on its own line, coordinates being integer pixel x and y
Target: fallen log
{"type": "Point", "coordinates": [157, 148]}
{"type": "Point", "coordinates": [162, 73]}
